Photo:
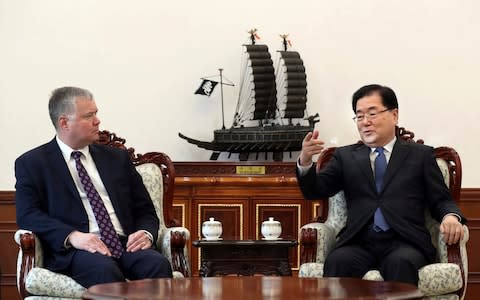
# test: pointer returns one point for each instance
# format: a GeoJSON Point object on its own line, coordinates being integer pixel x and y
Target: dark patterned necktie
{"type": "Point", "coordinates": [107, 231]}
{"type": "Point", "coordinates": [380, 166]}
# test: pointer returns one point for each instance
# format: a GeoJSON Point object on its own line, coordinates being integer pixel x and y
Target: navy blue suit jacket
{"type": "Point", "coordinates": [412, 182]}
{"type": "Point", "coordinates": [48, 202]}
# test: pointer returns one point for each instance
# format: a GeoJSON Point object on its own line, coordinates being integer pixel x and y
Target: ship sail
{"type": "Point", "coordinates": [291, 85]}
{"type": "Point", "coordinates": [257, 98]}
{"type": "Point", "coordinates": [271, 111]}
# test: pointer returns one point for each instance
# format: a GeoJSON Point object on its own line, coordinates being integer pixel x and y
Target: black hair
{"type": "Point", "coordinates": [389, 99]}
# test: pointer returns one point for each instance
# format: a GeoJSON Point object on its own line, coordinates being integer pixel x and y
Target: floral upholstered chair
{"type": "Point", "coordinates": [158, 174]}
{"type": "Point", "coordinates": [446, 279]}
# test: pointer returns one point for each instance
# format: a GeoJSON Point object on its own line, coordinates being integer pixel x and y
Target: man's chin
{"type": "Point", "coordinates": [368, 140]}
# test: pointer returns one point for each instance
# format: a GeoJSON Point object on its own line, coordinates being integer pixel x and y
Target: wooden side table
{"type": "Point", "coordinates": [245, 257]}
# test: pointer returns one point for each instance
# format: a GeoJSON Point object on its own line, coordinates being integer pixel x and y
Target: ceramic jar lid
{"type": "Point", "coordinates": [271, 229]}
{"type": "Point", "coordinates": [212, 229]}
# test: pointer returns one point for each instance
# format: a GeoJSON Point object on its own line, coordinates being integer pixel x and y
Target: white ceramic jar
{"type": "Point", "coordinates": [212, 229]}
{"type": "Point", "coordinates": [271, 229]}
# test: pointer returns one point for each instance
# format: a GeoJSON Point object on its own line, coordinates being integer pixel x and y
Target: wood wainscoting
{"type": "Point", "coordinates": [241, 196]}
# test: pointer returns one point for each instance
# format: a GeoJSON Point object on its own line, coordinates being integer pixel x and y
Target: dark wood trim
{"type": "Point", "coordinates": [7, 197]}
{"type": "Point", "coordinates": [469, 202]}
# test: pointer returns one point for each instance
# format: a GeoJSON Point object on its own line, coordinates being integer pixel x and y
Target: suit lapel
{"type": "Point", "coordinates": [57, 162]}
{"type": "Point", "coordinates": [362, 157]}
{"type": "Point", "coordinates": [399, 154]}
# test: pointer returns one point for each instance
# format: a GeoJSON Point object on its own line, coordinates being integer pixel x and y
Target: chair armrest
{"type": "Point", "coordinates": [25, 239]}
{"type": "Point", "coordinates": [440, 279]}
{"type": "Point", "coordinates": [172, 244]}
{"type": "Point", "coordinates": [316, 241]}
{"type": "Point", "coordinates": [456, 254]}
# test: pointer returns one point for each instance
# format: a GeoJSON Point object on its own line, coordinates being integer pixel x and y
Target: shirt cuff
{"type": "Point", "coordinates": [67, 243]}
{"type": "Point", "coordinates": [453, 214]}
{"type": "Point", "coordinates": [149, 235]}
{"type": "Point", "coordinates": [303, 170]}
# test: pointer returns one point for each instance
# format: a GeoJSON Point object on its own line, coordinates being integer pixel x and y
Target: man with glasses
{"type": "Point", "coordinates": [388, 183]}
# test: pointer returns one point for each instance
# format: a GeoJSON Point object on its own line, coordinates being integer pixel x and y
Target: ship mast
{"type": "Point", "coordinates": [221, 97]}
{"type": "Point", "coordinates": [284, 41]}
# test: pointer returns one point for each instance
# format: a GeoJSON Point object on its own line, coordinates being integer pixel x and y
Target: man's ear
{"type": "Point", "coordinates": [395, 114]}
{"type": "Point", "coordinates": [63, 122]}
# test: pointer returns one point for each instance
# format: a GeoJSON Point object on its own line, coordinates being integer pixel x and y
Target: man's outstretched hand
{"type": "Point", "coordinates": [311, 146]}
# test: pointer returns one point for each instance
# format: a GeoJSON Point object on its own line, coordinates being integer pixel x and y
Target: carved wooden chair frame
{"type": "Point", "coordinates": [178, 240]}
{"type": "Point", "coordinates": [308, 237]}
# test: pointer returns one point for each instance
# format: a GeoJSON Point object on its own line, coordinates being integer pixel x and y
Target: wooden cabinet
{"type": "Point", "coordinates": [241, 196]}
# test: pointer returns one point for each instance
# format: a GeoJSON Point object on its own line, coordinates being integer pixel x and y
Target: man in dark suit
{"type": "Point", "coordinates": [388, 183]}
{"type": "Point", "coordinates": [54, 194]}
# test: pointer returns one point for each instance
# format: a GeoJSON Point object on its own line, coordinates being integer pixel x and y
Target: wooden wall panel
{"type": "Point", "coordinates": [470, 206]}
{"type": "Point", "coordinates": [290, 217]}
{"type": "Point", "coordinates": [8, 247]}
{"type": "Point", "coordinates": [229, 213]}
{"type": "Point", "coordinates": [262, 196]}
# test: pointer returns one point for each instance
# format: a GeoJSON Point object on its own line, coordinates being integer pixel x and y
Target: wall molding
{"type": "Point", "coordinates": [469, 203]}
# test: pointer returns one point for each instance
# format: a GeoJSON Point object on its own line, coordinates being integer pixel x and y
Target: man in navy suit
{"type": "Point", "coordinates": [385, 221]}
{"type": "Point", "coordinates": [52, 202]}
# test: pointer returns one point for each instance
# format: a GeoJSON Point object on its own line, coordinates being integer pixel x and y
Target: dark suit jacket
{"type": "Point", "coordinates": [412, 182]}
{"type": "Point", "coordinates": [48, 203]}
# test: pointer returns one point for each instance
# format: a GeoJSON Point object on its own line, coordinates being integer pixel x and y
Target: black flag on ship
{"type": "Point", "coordinates": [206, 88]}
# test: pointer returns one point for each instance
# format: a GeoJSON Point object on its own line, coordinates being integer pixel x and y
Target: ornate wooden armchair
{"type": "Point", "coordinates": [446, 279]}
{"type": "Point", "coordinates": [158, 174]}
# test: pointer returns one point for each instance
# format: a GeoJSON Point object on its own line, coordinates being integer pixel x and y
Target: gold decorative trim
{"type": "Point", "coordinates": [183, 212]}
{"type": "Point", "coordinates": [315, 207]}
{"type": "Point", "coordinates": [199, 218]}
{"type": "Point", "coordinates": [299, 223]}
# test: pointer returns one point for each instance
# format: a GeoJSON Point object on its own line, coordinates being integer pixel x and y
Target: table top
{"type": "Point", "coordinates": [252, 288]}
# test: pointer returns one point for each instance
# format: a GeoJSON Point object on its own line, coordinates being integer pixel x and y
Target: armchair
{"type": "Point", "coordinates": [446, 279]}
{"type": "Point", "coordinates": [158, 174]}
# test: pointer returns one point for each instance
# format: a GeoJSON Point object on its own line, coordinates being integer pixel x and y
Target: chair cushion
{"type": "Point", "coordinates": [373, 275]}
{"type": "Point", "coordinates": [440, 278]}
{"type": "Point", "coordinates": [434, 279]}
{"type": "Point", "coordinates": [41, 281]}
{"type": "Point", "coordinates": [442, 297]}
{"type": "Point", "coordinates": [311, 270]}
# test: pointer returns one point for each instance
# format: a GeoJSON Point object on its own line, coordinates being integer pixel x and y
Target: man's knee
{"type": "Point", "coordinates": [94, 269]}
{"type": "Point", "coordinates": [161, 268]}
{"type": "Point", "coordinates": [403, 266]}
{"type": "Point", "coordinates": [147, 264]}
{"type": "Point", "coordinates": [343, 263]}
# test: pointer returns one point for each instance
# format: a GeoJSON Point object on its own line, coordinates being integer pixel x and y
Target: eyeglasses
{"type": "Point", "coordinates": [371, 115]}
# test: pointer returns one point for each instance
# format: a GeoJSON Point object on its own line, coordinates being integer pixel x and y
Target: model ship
{"type": "Point", "coordinates": [271, 112]}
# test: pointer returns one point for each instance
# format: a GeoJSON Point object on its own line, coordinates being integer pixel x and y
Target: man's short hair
{"type": "Point", "coordinates": [62, 102]}
{"type": "Point", "coordinates": [389, 99]}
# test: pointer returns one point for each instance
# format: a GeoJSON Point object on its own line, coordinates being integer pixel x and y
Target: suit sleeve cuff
{"type": "Point", "coordinates": [453, 214]}
{"type": "Point", "coordinates": [303, 170]}
{"type": "Point", "coordinates": [149, 235]}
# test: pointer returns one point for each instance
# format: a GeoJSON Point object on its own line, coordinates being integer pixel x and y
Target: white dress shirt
{"type": "Point", "coordinates": [92, 171]}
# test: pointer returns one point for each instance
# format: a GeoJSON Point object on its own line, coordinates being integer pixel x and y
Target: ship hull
{"type": "Point", "coordinates": [245, 140]}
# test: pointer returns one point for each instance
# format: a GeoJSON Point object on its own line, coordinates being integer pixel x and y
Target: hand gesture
{"type": "Point", "coordinates": [311, 146]}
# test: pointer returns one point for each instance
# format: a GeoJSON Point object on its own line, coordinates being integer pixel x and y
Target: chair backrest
{"type": "Point", "coordinates": [147, 165]}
